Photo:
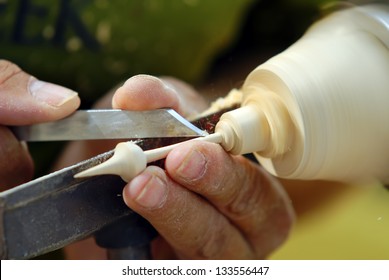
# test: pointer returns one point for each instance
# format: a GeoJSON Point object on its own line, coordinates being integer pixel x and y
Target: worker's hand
{"type": "Point", "coordinates": [208, 204]}
{"type": "Point", "coordinates": [25, 100]}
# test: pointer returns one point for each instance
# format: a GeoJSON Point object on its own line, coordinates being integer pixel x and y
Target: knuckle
{"type": "Point", "coordinates": [247, 196]}
{"type": "Point", "coordinates": [242, 205]}
{"type": "Point", "coordinates": [245, 206]}
{"type": "Point", "coordinates": [212, 243]}
{"type": "Point", "coordinates": [8, 70]}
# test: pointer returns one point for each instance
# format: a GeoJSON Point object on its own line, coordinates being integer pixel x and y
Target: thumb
{"type": "Point", "coordinates": [25, 100]}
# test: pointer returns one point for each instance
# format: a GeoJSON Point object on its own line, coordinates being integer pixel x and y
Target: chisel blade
{"type": "Point", "coordinates": [110, 124]}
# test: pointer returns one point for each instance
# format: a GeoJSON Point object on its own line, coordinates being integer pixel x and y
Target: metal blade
{"type": "Point", "coordinates": [55, 210]}
{"type": "Point", "coordinates": [111, 124]}
{"type": "Point", "coordinates": [47, 213]}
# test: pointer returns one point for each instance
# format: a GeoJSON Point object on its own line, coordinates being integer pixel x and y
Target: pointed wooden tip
{"type": "Point", "coordinates": [127, 162]}
{"type": "Point", "coordinates": [107, 167]}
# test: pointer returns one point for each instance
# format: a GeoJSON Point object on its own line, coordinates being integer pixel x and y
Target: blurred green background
{"type": "Point", "coordinates": [91, 45]}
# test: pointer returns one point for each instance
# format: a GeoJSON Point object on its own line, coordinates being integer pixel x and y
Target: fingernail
{"type": "Point", "coordinates": [192, 165]}
{"type": "Point", "coordinates": [49, 93]}
{"type": "Point", "coordinates": [148, 190]}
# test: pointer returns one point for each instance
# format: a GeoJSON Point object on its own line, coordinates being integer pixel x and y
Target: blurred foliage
{"type": "Point", "coordinates": [91, 45]}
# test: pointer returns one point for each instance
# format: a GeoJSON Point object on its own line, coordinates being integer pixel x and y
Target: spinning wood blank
{"type": "Point", "coordinates": [319, 110]}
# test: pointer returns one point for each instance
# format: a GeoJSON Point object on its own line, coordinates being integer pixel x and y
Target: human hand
{"type": "Point", "coordinates": [25, 100]}
{"type": "Point", "coordinates": [208, 204]}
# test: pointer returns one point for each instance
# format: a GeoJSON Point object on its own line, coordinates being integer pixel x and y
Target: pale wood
{"type": "Point", "coordinates": [334, 83]}
{"type": "Point", "coordinates": [129, 160]}
{"type": "Point", "coordinates": [319, 110]}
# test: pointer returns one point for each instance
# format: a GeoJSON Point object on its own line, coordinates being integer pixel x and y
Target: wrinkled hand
{"type": "Point", "coordinates": [25, 100]}
{"type": "Point", "coordinates": [208, 204]}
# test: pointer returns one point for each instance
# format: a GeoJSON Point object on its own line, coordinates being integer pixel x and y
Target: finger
{"type": "Point", "coordinates": [16, 166]}
{"type": "Point", "coordinates": [26, 100]}
{"type": "Point", "coordinates": [187, 222]}
{"type": "Point", "coordinates": [239, 189]}
{"type": "Point", "coordinates": [144, 92]}
{"type": "Point", "coordinates": [191, 102]}
{"type": "Point", "coordinates": [76, 151]}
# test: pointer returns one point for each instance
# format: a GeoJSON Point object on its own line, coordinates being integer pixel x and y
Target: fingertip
{"type": "Point", "coordinates": [187, 164]}
{"type": "Point", "coordinates": [27, 100]}
{"type": "Point", "coordinates": [193, 162]}
{"type": "Point", "coordinates": [133, 189]}
{"type": "Point", "coordinates": [51, 94]}
{"type": "Point", "coordinates": [146, 191]}
{"type": "Point", "coordinates": [42, 111]}
{"type": "Point", "coordinates": [143, 82]}
{"type": "Point", "coordinates": [145, 92]}
{"type": "Point", "coordinates": [67, 106]}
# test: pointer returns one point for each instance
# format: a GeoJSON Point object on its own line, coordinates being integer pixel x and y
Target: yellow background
{"type": "Point", "coordinates": [354, 224]}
